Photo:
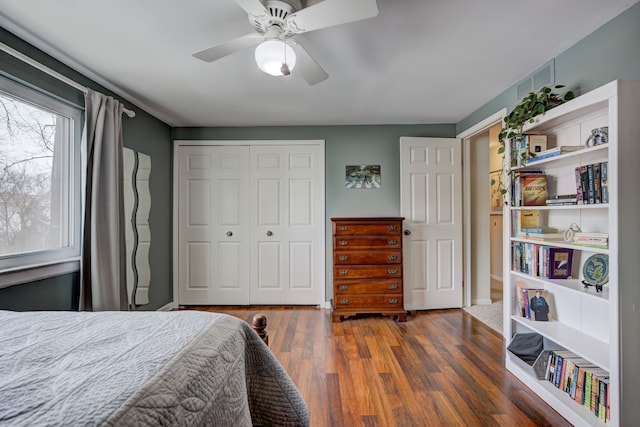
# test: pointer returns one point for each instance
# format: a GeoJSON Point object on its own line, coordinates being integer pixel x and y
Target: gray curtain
{"type": "Point", "coordinates": [103, 283]}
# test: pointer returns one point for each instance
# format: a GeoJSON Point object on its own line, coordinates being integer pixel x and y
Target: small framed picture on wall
{"type": "Point", "coordinates": [362, 177]}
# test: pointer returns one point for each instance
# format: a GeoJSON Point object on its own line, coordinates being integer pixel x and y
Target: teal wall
{"type": "Point", "coordinates": [143, 133]}
{"type": "Point", "coordinates": [344, 145]}
{"type": "Point", "coordinates": [612, 52]}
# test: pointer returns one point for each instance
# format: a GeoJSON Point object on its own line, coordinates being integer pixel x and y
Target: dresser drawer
{"type": "Point", "coordinates": [391, 271]}
{"type": "Point", "coordinates": [364, 228]}
{"type": "Point", "coordinates": [343, 287]}
{"type": "Point", "coordinates": [381, 256]}
{"type": "Point", "coordinates": [341, 243]}
{"type": "Point", "coordinates": [378, 302]}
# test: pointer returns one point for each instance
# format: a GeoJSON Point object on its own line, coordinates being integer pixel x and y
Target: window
{"type": "Point", "coordinates": [39, 177]}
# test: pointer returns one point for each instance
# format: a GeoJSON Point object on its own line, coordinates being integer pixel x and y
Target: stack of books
{"type": "Point", "coordinates": [562, 199]}
{"type": "Point", "coordinates": [541, 233]}
{"type": "Point", "coordinates": [596, 240]}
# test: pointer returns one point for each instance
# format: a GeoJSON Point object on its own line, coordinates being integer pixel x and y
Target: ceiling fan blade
{"type": "Point", "coordinates": [329, 13]}
{"type": "Point", "coordinates": [229, 47]}
{"type": "Point", "coordinates": [307, 66]}
{"type": "Point", "coordinates": [253, 7]}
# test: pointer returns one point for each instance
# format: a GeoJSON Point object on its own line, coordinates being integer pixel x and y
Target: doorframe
{"type": "Point", "coordinates": [320, 200]}
{"type": "Point", "coordinates": [466, 136]}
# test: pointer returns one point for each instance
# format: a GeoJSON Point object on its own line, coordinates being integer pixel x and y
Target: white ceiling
{"type": "Point", "coordinates": [418, 61]}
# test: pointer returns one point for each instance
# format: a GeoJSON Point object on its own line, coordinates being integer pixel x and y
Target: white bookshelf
{"type": "Point", "coordinates": [602, 327]}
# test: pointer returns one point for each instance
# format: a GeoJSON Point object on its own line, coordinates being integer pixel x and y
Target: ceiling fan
{"type": "Point", "coordinates": [276, 23]}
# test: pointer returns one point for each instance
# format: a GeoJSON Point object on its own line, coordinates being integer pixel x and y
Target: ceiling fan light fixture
{"type": "Point", "coordinates": [275, 57]}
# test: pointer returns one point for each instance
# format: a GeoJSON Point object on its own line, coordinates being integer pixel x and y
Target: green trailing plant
{"type": "Point", "coordinates": [533, 105]}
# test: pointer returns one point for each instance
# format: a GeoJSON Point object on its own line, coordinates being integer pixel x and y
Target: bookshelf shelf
{"type": "Point", "coordinates": [584, 155]}
{"type": "Point", "coordinates": [581, 343]}
{"type": "Point", "coordinates": [576, 414]}
{"type": "Point", "coordinates": [561, 244]}
{"type": "Point", "coordinates": [600, 327]}
{"type": "Point", "coordinates": [569, 285]}
{"type": "Point", "coordinates": [561, 207]}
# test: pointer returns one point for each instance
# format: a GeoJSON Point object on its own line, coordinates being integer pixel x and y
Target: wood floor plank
{"type": "Point", "coordinates": [441, 367]}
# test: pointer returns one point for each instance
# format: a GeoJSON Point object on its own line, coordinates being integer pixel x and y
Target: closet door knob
{"type": "Point", "coordinates": [407, 232]}
{"type": "Point", "coordinates": [229, 233]}
{"type": "Point", "coordinates": [269, 233]}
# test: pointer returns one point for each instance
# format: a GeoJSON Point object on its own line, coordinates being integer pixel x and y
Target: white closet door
{"type": "Point", "coordinates": [431, 202]}
{"type": "Point", "coordinates": [287, 215]}
{"type": "Point", "coordinates": [213, 225]}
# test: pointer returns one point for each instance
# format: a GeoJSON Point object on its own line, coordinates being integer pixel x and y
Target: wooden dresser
{"type": "Point", "coordinates": [367, 267]}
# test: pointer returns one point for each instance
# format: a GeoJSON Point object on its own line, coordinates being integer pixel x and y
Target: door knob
{"type": "Point", "coordinates": [269, 233]}
{"type": "Point", "coordinates": [229, 233]}
{"type": "Point", "coordinates": [407, 232]}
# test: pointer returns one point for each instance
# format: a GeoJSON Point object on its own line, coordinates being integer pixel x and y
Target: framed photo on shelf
{"type": "Point", "coordinates": [495, 178]}
{"type": "Point", "coordinates": [560, 261]}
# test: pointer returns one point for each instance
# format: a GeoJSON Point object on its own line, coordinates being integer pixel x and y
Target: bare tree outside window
{"type": "Point", "coordinates": [32, 184]}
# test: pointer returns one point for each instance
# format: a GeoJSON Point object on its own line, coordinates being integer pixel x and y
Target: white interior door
{"type": "Point", "coordinates": [213, 221]}
{"type": "Point", "coordinates": [431, 202]}
{"type": "Point", "coordinates": [287, 224]}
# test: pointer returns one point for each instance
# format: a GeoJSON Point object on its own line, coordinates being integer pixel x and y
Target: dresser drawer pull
{"type": "Point", "coordinates": [342, 243]}
{"type": "Point", "coordinates": [393, 287]}
{"type": "Point", "coordinates": [344, 301]}
{"type": "Point", "coordinates": [393, 257]}
{"type": "Point", "coordinates": [393, 301]}
{"type": "Point", "coordinates": [393, 271]}
{"type": "Point", "coordinates": [392, 242]}
{"type": "Point", "coordinates": [343, 257]}
{"type": "Point", "coordinates": [343, 228]}
{"type": "Point", "coordinates": [344, 287]}
{"type": "Point", "coordinates": [393, 227]}
{"type": "Point", "coordinates": [343, 272]}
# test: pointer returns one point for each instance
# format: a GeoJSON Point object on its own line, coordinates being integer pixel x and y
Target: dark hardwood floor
{"type": "Point", "coordinates": [441, 367]}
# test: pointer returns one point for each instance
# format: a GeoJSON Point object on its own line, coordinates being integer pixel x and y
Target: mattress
{"type": "Point", "coordinates": [183, 368]}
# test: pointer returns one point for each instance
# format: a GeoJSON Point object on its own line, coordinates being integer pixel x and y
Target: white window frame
{"type": "Point", "coordinates": [31, 266]}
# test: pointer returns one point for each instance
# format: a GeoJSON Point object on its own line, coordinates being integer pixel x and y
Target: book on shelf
{"type": "Point", "coordinates": [516, 185]}
{"type": "Point", "coordinates": [539, 303]}
{"type": "Point", "coordinates": [534, 190]}
{"type": "Point", "coordinates": [521, 300]}
{"type": "Point", "coordinates": [560, 263]}
{"type": "Point", "coordinates": [544, 236]}
{"type": "Point", "coordinates": [604, 183]}
{"type": "Point", "coordinates": [543, 229]}
{"type": "Point", "coordinates": [529, 219]}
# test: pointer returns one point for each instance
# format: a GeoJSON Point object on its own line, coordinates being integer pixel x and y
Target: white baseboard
{"type": "Point", "coordinates": [484, 301]}
{"type": "Point", "coordinates": [171, 306]}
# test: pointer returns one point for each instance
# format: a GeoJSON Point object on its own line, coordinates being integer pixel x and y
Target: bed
{"type": "Point", "coordinates": [184, 368]}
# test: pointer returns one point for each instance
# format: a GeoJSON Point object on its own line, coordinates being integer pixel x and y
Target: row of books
{"type": "Point", "coordinates": [586, 383]}
{"type": "Point", "coordinates": [534, 303]}
{"type": "Point", "coordinates": [528, 148]}
{"type": "Point", "coordinates": [542, 261]}
{"type": "Point", "coordinates": [592, 185]}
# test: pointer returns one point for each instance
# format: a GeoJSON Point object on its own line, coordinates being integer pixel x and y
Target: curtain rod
{"type": "Point", "coordinates": [24, 58]}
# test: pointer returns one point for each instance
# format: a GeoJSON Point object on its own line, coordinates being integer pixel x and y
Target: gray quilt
{"type": "Point", "coordinates": [182, 368]}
